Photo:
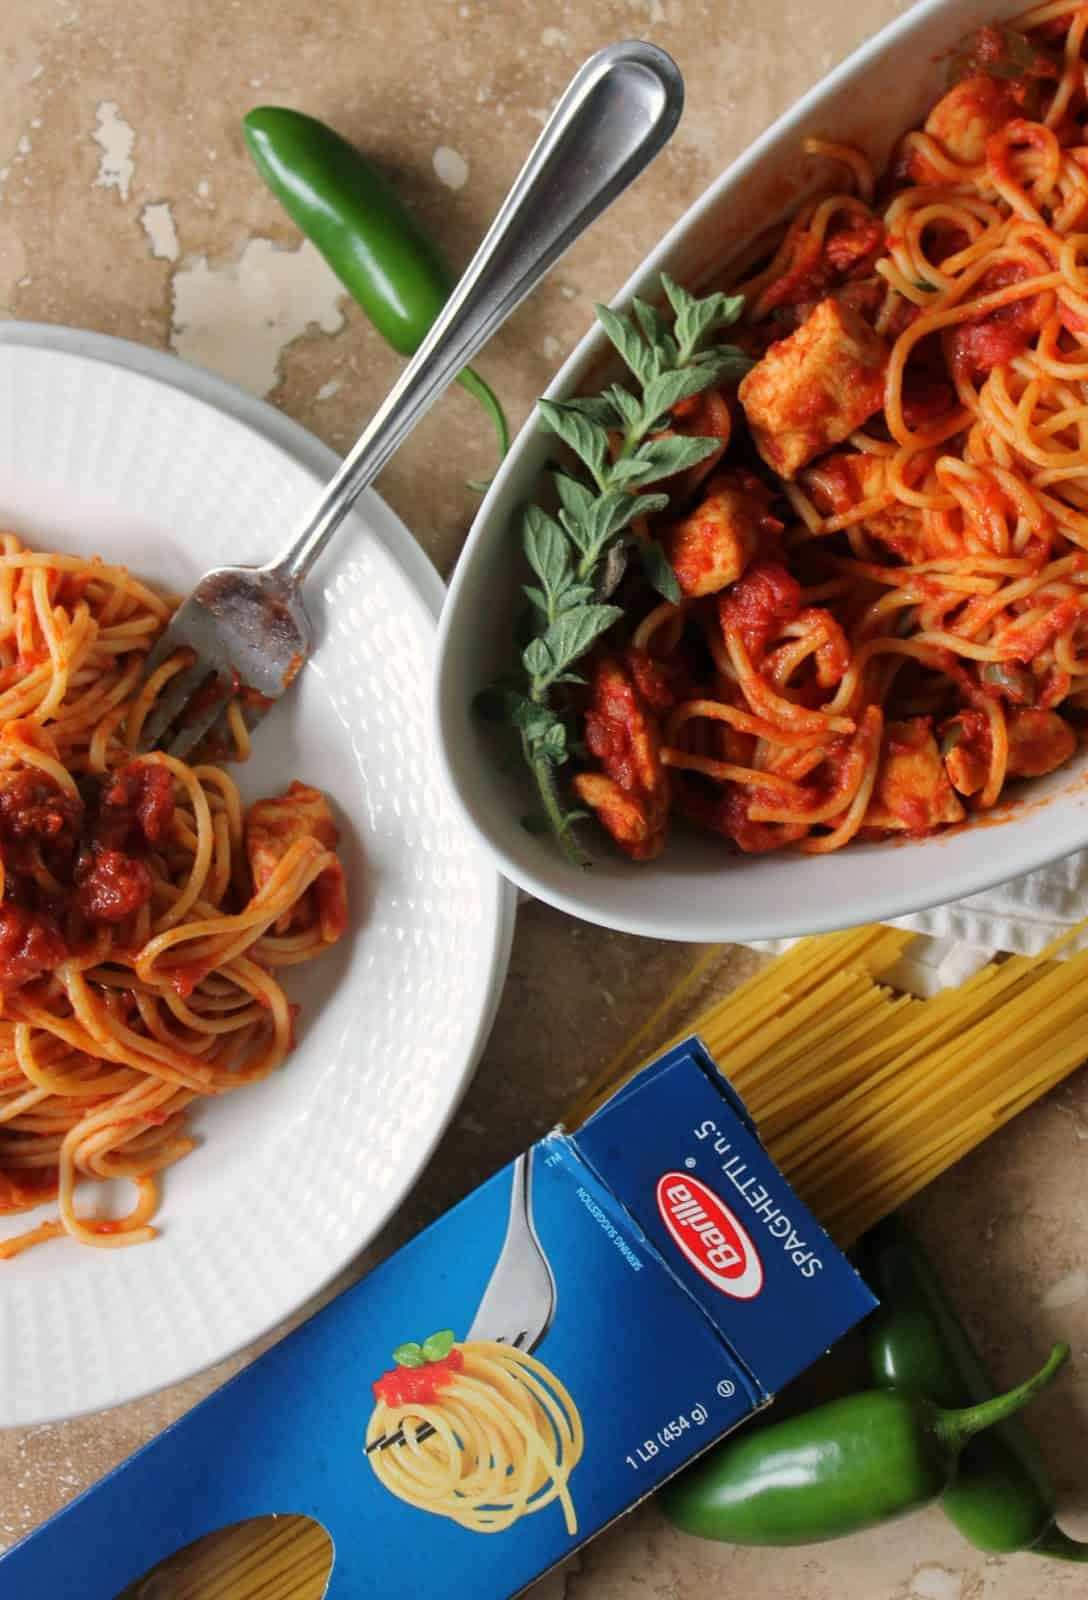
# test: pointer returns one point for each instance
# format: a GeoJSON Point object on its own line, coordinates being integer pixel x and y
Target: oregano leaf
{"type": "Point", "coordinates": [552, 745]}
{"type": "Point", "coordinates": [546, 549]}
{"type": "Point", "coordinates": [731, 365]}
{"type": "Point", "coordinates": [636, 353]}
{"type": "Point", "coordinates": [536, 659]}
{"type": "Point", "coordinates": [653, 325]}
{"type": "Point", "coordinates": [538, 599]}
{"type": "Point", "coordinates": [675, 453]}
{"type": "Point", "coordinates": [632, 471]}
{"type": "Point", "coordinates": [658, 572]}
{"type": "Point", "coordinates": [697, 318]}
{"type": "Point", "coordinates": [595, 408]}
{"type": "Point", "coordinates": [628, 408]}
{"type": "Point", "coordinates": [678, 297]}
{"type": "Point", "coordinates": [574, 497]}
{"type": "Point", "coordinates": [573, 632]}
{"type": "Point", "coordinates": [667, 390]}
{"type": "Point", "coordinates": [534, 719]}
{"type": "Point", "coordinates": [574, 596]}
{"type": "Point", "coordinates": [611, 514]}
{"type": "Point", "coordinates": [588, 440]}
{"type": "Point", "coordinates": [577, 528]}
{"type": "Point", "coordinates": [648, 505]}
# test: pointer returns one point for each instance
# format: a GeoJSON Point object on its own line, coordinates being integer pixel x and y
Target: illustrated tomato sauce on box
{"type": "Point", "coordinates": [527, 1369]}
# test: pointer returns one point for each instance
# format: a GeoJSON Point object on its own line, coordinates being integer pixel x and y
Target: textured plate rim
{"type": "Point", "coordinates": [289, 436]}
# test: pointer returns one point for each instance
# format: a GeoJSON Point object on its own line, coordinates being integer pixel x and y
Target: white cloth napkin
{"type": "Point", "coordinates": [1021, 916]}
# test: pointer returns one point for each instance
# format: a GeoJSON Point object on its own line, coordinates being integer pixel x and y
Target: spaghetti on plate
{"type": "Point", "coordinates": [884, 565]}
{"type": "Point", "coordinates": [145, 913]}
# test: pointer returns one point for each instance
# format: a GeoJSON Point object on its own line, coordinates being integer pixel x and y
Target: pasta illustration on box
{"type": "Point", "coordinates": [532, 1365]}
{"type": "Point", "coordinates": [481, 1433]}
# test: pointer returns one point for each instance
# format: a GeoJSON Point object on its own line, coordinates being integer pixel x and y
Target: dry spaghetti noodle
{"type": "Point", "coordinates": [864, 1095]}
{"type": "Point", "coordinates": [144, 911]}
{"type": "Point", "coordinates": [493, 1437]}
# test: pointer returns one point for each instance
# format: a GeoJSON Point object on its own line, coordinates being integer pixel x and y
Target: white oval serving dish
{"type": "Point", "coordinates": [699, 890]}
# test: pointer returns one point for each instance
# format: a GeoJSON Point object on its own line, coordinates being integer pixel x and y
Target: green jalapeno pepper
{"type": "Point", "coordinates": [373, 244]}
{"type": "Point", "coordinates": [1001, 1498]}
{"type": "Point", "coordinates": [842, 1467]}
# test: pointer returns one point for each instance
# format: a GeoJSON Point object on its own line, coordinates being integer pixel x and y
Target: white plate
{"type": "Point", "coordinates": [111, 449]}
{"type": "Point", "coordinates": [699, 890]}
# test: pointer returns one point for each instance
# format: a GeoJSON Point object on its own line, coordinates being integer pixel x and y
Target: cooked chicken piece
{"type": "Point", "coordinates": [1039, 741]}
{"type": "Point", "coordinates": [629, 818]}
{"type": "Point", "coordinates": [713, 544]}
{"type": "Point", "coordinates": [912, 793]}
{"type": "Point", "coordinates": [844, 479]}
{"type": "Point", "coordinates": [271, 827]}
{"type": "Point", "coordinates": [631, 794]}
{"type": "Point", "coordinates": [961, 122]}
{"type": "Point", "coordinates": [812, 390]}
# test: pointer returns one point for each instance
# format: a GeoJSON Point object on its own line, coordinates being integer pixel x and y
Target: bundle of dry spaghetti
{"type": "Point", "coordinates": [269, 1558]}
{"type": "Point", "coordinates": [864, 1095]}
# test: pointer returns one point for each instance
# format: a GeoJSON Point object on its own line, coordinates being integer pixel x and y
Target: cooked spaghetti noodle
{"type": "Point", "coordinates": [884, 575]}
{"type": "Point", "coordinates": [144, 911]}
{"type": "Point", "coordinates": [494, 1437]}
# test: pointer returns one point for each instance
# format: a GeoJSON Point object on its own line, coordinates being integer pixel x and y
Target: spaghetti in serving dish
{"type": "Point", "coordinates": [883, 565]}
{"type": "Point", "coordinates": [145, 912]}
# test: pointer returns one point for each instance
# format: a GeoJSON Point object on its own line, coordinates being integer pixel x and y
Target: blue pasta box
{"type": "Point", "coordinates": [513, 1380]}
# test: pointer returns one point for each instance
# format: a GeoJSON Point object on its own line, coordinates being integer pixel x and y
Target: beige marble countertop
{"type": "Point", "coordinates": [127, 205]}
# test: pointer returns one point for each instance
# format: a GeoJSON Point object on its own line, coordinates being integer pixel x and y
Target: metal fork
{"type": "Point", "coordinates": [519, 1302]}
{"type": "Point", "coordinates": [245, 628]}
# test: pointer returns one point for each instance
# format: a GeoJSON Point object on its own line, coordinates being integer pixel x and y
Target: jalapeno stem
{"type": "Point", "coordinates": [1059, 1547]}
{"type": "Point", "coordinates": [475, 385]}
{"type": "Point", "coordinates": [956, 1427]}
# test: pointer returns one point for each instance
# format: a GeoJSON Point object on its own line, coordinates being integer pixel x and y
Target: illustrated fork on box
{"type": "Point", "coordinates": [519, 1302]}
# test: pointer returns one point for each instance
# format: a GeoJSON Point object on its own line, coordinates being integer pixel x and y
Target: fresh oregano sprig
{"type": "Point", "coordinates": [578, 554]}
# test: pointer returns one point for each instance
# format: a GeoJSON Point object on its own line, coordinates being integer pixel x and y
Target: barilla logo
{"type": "Point", "coordinates": [708, 1234]}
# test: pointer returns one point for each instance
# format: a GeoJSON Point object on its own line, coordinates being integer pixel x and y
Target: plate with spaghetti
{"type": "Point", "coordinates": [805, 553]}
{"type": "Point", "coordinates": [236, 1010]}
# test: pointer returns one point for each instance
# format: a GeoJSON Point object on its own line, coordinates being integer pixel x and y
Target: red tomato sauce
{"type": "Point", "coordinates": [138, 800]}
{"type": "Point", "coordinates": [759, 604]}
{"type": "Point", "coordinates": [1033, 641]}
{"type": "Point", "coordinates": [25, 1190]}
{"type": "Point", "coordinates": [112, 885]}
{"type": "Point", "coordinates": [1002, 335]}
{"type": "Point", "coordinates": [92, 844]}
{"type": "Point", "coordinates": [406, 1386]}
{"type": "Point", "coordinates": [620, 721]}
{"type": "Point", "coordinates": [30, 944]}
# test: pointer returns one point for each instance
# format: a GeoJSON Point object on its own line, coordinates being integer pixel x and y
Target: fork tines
{"type": "Point", "coordinates": [519, 1342]}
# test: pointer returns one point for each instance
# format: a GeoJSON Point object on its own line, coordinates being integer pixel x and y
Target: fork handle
{"type": "Point", "coordinates": [618, 111]}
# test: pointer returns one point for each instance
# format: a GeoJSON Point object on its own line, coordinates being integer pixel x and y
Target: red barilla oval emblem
{"type": "Point", "coordinates": [708, 1235]}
